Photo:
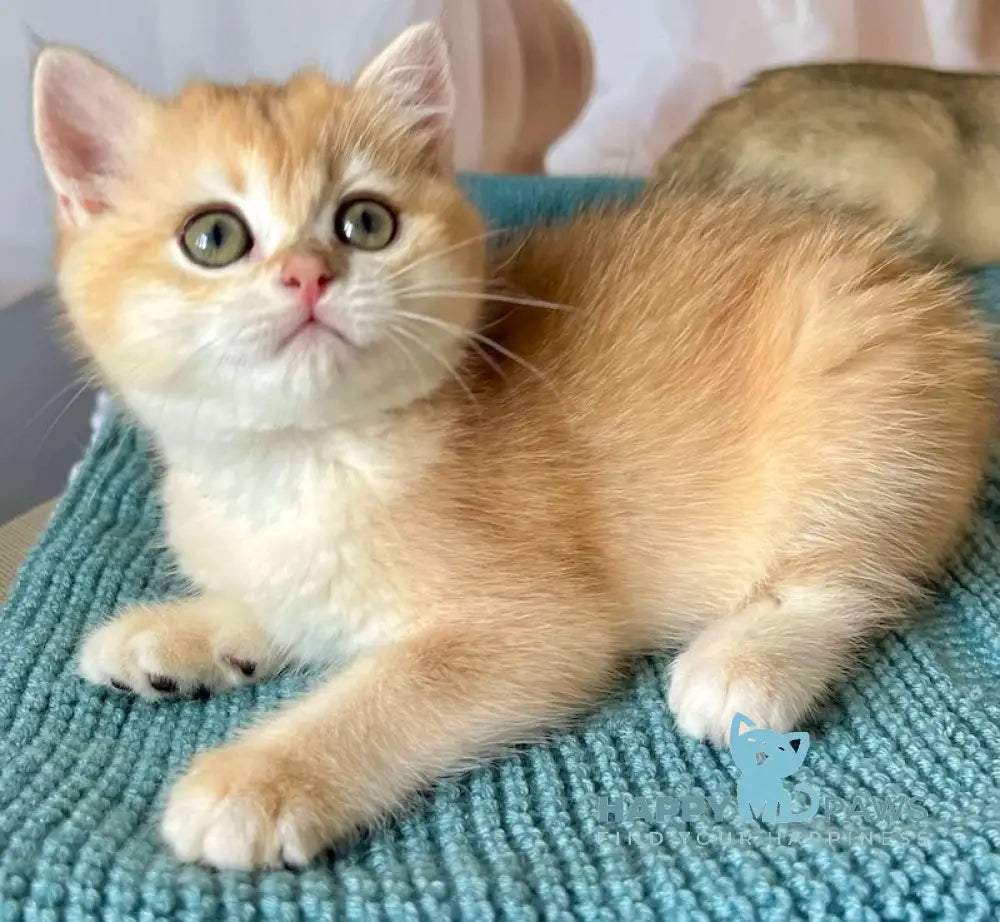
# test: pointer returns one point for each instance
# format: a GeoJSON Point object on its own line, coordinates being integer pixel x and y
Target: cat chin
{"type": "Point", "coordinates": [272, 402]}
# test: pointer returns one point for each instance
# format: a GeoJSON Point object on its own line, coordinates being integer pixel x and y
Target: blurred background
{"type": "Point", "coordinates": [562, 86]}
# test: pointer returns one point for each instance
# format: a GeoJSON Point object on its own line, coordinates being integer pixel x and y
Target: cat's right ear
{"type": "Point", "coordinates": [413, 76]}
{"type": "Point", "coordinates": [89, 124]}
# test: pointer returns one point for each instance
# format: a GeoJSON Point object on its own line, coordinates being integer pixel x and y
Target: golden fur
{"type": "Point", "coordinates": [919, 147]}
{"type": "Point", "coordinates": [744, 428]}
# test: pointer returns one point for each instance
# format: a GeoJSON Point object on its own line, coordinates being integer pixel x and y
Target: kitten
{"type": "Point", "coordinates": [724, 424]}
{"type": "Point", "coordinates": [921, 148]}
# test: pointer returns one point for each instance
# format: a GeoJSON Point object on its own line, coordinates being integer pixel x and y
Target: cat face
{"type": "Point", "coordinates": [276, 255]}
{"type": "Point", "coordinates": [759, 751]}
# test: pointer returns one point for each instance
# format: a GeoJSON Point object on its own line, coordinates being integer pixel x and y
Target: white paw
{"type": "Point", "coordinates": [236, 809]}
{"type": "Point", "coordinates": [708, 687]}
{"type": "Point", "coordinates": [140, 652]}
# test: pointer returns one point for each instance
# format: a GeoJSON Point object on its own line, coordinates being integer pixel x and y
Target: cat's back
{"type": "Point", "coordinates": [720, 320]}
{"type": "Point", "coordinates": [719, 357]}
{"type": "Point", "coordinates": [686, 279]}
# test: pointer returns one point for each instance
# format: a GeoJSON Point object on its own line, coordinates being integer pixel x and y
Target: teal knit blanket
{"type": "Point", "coordinates": [620, 819]}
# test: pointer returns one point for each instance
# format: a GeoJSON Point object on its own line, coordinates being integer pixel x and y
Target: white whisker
{"type": "Point", "coordinates": [489, 296]}
{"type": "Point", "coordinates": [489, 360]}
{"type": "Point", "coordinates": [406, 352]}
{"type": "Point", "coordinates": [79, 393]}
{"type": "Point", "coordinates": [414, 338]}
{"type": "Point", "coordinates": [89, 379]}
{"type": "Point", "coordinates": [479, 337]}
{"type": "Point", "coordinates": [444, 251]}
{"type": "Point", "coordinates": [516, 252]}
{"type": "Point", "coordinates": [420, 286]}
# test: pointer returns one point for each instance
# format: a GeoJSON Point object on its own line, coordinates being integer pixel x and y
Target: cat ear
{"type": "Point", "coordinates": [413, 75]}
{"type": "Point", "coordinates": [741, 723]}
{"type": "Point", "coordinates": [88, 124]}
{"type": "Point", "coordinates": [799, 743]}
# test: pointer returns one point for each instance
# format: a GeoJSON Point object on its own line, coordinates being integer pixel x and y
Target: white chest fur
{"type": "Point", "coordinates": [286, 525]}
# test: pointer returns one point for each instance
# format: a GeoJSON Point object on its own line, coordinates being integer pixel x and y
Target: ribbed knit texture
{"type": "Point", "coordinates": [83, 771]}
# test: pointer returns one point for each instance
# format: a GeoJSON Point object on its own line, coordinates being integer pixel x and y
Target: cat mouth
{"type": "Point", "coordinates": [313, 330]}
{"type": "Point", "coordinates": [761, 757]}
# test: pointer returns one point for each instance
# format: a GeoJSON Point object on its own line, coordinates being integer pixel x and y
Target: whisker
{"type": "Point", "coordinates": [489, 360]}
{"type": "Point", "coordinates": [409, 355]}
{"type": "Point", "coordinates": [79, 393]}
{"type": "Point", "coordinates": [476, 289]}
{"type": "Point", "coordinates": [514, 357]}
{"type": "Point", "coordinates": [498, 321]}
{"type": "Point", "coordinates": [489, 296]}
{"type": "Point", "coordinates": [89, 379]}
{"type": "Point", "coordinates": [479, 337]}
{"type": "Point", "coordinates": [516, 252]}
{"type": "Point", "coordinates": [448, 249]}
{"type": "Point", "coordinates": [412, 337]}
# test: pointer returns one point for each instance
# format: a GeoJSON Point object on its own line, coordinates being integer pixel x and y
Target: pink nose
{"type": "Point", "coordinates": [307, 272]}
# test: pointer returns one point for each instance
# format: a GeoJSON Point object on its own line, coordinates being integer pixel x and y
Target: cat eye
{"type": "Point", "coordinates": [215, 238]}
{"type": "Point", "coordinates": [365, 223]}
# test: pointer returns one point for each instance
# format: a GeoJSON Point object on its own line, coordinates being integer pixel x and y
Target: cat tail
{"type": "Point", "coordinates": [812, 793]}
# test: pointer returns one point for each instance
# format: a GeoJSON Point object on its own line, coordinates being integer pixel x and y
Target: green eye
{"type": "Point", "coordinates": [365, 223]}
{"type": "Point", "coordinates": [214, 239]}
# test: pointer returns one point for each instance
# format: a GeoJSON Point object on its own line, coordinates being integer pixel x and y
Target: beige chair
{"type": "Point", "coordinates": [16, 539]}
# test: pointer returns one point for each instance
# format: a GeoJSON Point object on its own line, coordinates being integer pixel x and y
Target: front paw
{"type": "Point", "coordinates": [162, 653]}
{"type": "Point", "coordinates": [709, 684]}
{"type": "Point", "coordinates": [245, 806]}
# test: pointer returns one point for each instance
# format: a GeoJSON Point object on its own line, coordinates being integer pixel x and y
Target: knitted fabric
{"type": "Point", "coordinates": [84, 771]}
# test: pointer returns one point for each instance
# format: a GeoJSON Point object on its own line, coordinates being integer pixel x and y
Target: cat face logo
{"type": "Point", "coordinates": [764, 758]}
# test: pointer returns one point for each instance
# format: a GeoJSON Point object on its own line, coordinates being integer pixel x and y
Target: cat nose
{"type": "Point", "coordinates": [309, 273]}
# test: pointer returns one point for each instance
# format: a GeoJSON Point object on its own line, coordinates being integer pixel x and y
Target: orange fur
{"type": "Point", "coordinates": [741, 427]}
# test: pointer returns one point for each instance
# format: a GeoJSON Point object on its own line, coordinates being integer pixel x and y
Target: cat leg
{"type": "Point", "coordinates": [773, 660]}
{"type": "Point", "coordinates": [359, 745]}
{"type": "Point", "coordinates": [190, 646]}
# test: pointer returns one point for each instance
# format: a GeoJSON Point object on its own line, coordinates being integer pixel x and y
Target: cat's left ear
{"type": "Point", "coordinates": [89, 123]}
{"type": "Point", "coordinates": [413, 75]}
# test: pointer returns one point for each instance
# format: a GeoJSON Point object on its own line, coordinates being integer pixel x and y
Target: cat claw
{"type": "Point", "coordinates": [142, 657]}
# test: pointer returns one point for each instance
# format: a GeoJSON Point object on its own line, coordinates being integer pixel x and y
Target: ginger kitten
{"type": "Point", "coordinates": [724, 424]}
{"type": "Point", "coordinates": [919, 147]}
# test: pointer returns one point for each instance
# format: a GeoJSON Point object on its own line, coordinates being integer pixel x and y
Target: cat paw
{"type": "Point", "coordinates": [243, 807]}
{"type": "Point", "coordinates": [708, 687]}
{"type": "Point", "coordinates": [147, 652]}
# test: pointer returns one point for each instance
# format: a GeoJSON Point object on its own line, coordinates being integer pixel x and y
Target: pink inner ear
{"type": "Point", "coordinates": [414, 74]}
{"type": "Point", "coordinates": [74, 154]}
{"type": "Point", "coordinates": [86, 119]}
